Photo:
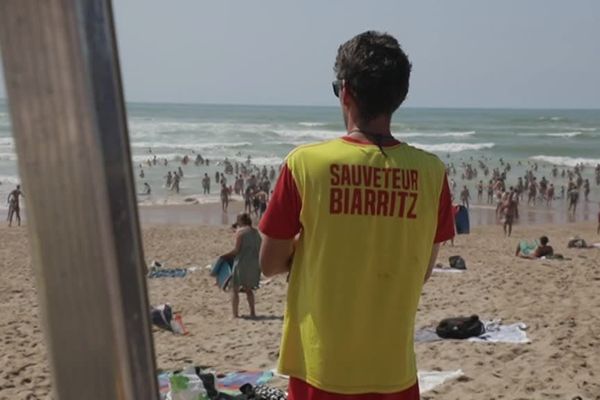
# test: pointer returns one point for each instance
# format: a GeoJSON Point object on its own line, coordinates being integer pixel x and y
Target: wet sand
{"type": "Point", "coordinates": [479, 214]}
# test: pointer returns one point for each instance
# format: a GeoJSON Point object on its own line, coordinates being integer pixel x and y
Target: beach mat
{"type": "Point", "coordinates": [429, 380]}
{"type": "Point", "coordinates": [167, 273]}
{"type": "Point", "coordinates": [495, 332]}
{"type": "Point", "coordinates": [450, 270]}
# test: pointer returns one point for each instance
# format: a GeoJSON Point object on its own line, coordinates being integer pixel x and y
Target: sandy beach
{"type": "Point", "coordinates": [558, 300]}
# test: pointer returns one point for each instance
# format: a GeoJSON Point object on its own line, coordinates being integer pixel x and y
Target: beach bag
{"type": "Point", "coordinates": [460, 327]}
{"type": "Point", "coordinates": [461, 221]}
{"type": "Point", "coordinates": [186, 385]}
{"type": "Point", "coordinates": [161, 316]}
{"type": "Point", "coordinates": [457, 262]}
{"type": "Point", "coordinates": [577, 244]}
{"type": "Point", "coordinates": [263, 392]}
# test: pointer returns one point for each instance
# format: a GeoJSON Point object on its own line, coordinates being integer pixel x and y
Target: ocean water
{"type": "Point", "coordinates": [267, 133]}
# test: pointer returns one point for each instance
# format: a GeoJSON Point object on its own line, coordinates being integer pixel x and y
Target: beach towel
{"type": "Point", "coordinates": [451, 270]}
{"type": "Point", "coordinates": [167, 273]}
{"type": "Point", "coordinates": [462, 221]}
{"type": "Point", "coordinates": [526, 248]}
{"type": "Point", "coordinates": [232, 382]}
{"type": "Point", "coordinates": [429, 380]}
{"type": "Point", "coordinates": [495, 332]}
{"type": "Point", "coordinates": [222, 271]}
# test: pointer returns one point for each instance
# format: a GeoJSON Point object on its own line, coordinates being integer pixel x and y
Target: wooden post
{"type": "Point", "coordinates": [68, 116]}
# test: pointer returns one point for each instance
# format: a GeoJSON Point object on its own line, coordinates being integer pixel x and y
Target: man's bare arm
{"type": "Point", "coordinates": [434, 254]}
{"type": "Point", "coordinates": [276, 255]}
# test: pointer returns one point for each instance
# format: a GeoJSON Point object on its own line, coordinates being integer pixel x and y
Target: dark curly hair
{"type": "Point", "coordinates": [376, 71]}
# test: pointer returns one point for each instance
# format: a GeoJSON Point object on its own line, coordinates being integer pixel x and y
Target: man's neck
{"type": "Point", "coordinates": [377, 126]}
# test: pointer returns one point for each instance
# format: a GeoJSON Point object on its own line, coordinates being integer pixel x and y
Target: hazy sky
{"type": "Point", "coordinates": [509, 53]}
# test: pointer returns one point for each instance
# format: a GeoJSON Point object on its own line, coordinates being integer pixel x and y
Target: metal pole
{"type": "Point", "coordinates": [68, 116]}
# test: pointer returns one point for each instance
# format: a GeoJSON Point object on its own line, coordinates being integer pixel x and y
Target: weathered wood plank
{"type": "Point", "coordinates": [68, 116]}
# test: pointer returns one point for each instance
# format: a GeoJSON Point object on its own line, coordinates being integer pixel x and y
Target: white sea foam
{"type": "Point", "coordinates": [312, 124]}
{"type": "Point", "coordinates": [191, 146]}
{"type": "Point", "coordinates": [10, 179]}
{"type": "Point", "coordinates": [273, 160]}
{"type": "Point", "coordinates": [437, 134]}
{"type": "Point", "coordinates": [308, 133]}
{"type": "Point", "coordinates": [8, 156]}
{"type": "Point", "coordinates": [453, 147]}
{"type": "Point", "coordinates": [565, 134]}
{"type": "Point", "coordinates": [144, 128]}
{"type": "Point", "coordinates": [141, 158]}
{"type": "Point", "coordinates": [6, 141]}
{"type": "Point", "coordinates": [566, 161]}
{"type": "Point", "coordinates": [559, 134]}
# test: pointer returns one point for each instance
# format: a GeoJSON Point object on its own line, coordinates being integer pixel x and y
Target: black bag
{"type": "Point", "coordinates": [161, 316]}
{"type": "Point", "coordinates": [457, 262]}
{"type": "Point", "coordinates": [460, 327]}
{"type": "Point", "coordinates": [263, 392]}
{"type": "Point", "coordinates": [577, 244]}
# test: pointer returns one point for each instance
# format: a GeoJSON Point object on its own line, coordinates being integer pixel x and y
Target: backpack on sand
{"type": "Point", "coordinates": [457, 262]}
{"type": "Point", "coordinates": [460, 327]}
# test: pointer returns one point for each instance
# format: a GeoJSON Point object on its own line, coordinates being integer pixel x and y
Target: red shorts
{"type": "Point", "coordinates": [300, 390]}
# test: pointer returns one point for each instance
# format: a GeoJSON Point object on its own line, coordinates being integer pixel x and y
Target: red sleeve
{"type": "Point", "coordinates": [445, 226]}
{"type": "Point", "coordinates": [282, 218]}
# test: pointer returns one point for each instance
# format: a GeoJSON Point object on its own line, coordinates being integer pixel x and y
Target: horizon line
{"type": "Point", "coordinates": [158, 102]}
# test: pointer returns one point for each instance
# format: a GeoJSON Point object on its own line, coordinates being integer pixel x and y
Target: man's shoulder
{"type": "Point", "coordinates": [310, 149]}
{"type": "Point", "coordinates": [423, 156]}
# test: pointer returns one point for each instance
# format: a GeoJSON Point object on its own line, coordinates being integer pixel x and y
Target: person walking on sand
{"type": "Point", "coordinates": [14, 206]}
{"type": "Point", "coordinates": [369, 235]}
{"type": "Point", "coordinates": [246, 269]}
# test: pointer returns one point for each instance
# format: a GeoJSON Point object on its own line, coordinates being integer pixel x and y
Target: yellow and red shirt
{"type": "Point", "coordinates": [368, 223]}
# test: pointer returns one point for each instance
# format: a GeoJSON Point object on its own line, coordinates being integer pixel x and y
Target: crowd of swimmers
{"type": "Point", "coordinates": [245, 179]}
{"type": "Point", "coordinates": [526, 188]}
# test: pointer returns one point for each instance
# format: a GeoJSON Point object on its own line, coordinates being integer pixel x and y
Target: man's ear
{"type": "Point", "coordinates": [346, 95]}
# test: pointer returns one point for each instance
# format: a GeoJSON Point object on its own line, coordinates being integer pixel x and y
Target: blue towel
{"type": "Point", "coordinates": [462, 220]}
{"type": "Point", "coordinates": [167, 273]}
{"type": "Point", "coordinates": [222, 270]}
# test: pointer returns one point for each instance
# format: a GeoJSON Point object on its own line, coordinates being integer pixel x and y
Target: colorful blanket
{"type": "Point", "coordinates": [232, 382]}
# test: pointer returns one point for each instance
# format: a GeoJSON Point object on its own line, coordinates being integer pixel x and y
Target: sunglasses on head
{"type": "Point", "coordinates": [337, 85]}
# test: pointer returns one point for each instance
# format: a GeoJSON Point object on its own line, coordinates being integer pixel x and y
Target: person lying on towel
{"type": "Point", "coordinates": [534, 251]}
